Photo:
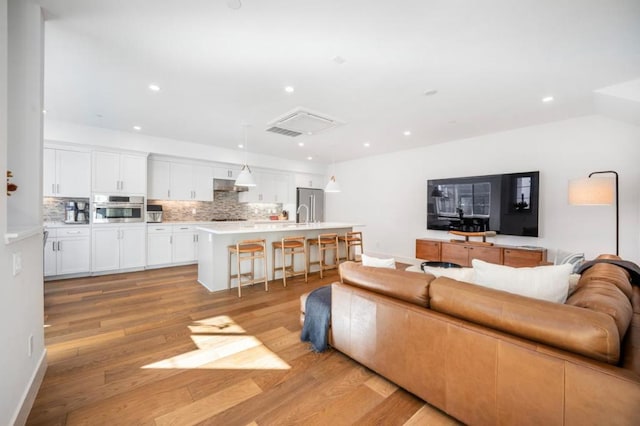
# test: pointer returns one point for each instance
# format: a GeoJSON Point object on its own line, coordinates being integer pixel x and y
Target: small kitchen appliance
{"type": "Point", "coordinates": [70, 209]}
{"type": "Point", "coordinates": [154, 213]}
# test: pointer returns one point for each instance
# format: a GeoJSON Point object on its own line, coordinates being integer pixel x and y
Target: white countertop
{"type": "Point", "coordinates": [222, 228]}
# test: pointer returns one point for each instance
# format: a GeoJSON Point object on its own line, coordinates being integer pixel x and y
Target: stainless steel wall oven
{"type": "Point", "coordinates": [117, 209]}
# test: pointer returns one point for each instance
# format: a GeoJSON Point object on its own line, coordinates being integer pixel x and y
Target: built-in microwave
{"type": "Point", "coordinates": [117, 209]}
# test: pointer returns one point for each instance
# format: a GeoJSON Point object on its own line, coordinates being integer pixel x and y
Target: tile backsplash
{"type": "Point", "coordinates": [225, 205]}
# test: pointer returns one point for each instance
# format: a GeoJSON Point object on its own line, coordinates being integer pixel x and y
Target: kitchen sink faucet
{"type": "Point", "coordinates": [307, 211]}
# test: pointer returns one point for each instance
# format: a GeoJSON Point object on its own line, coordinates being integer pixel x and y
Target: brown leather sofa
{"type": "Point", "coordinates": [489, 357]}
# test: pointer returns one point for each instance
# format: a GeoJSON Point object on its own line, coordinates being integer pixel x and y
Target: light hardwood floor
{"type": "Point", "coordinates": [156, 348]}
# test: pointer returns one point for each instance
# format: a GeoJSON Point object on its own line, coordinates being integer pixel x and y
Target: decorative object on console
{"type": "Point", "coordinates": [466, 235]}
{"type": "Point", "coordinates": [245, 178]}
{"type": "Point", "coordinates": [332, 185]}
{"type": "Point", "coordinates": [596, 192]}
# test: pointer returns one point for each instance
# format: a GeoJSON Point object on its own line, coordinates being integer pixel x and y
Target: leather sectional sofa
{"type": "Point", "coordinates": [489, 357]}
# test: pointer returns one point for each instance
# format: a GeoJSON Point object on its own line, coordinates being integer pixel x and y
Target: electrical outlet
{"type": "Point", "coordinates": [30, 348]}
{"type": "Point", "coordinates": [17, 263]}
{"type": "Point", "coordinates": [193, 211]}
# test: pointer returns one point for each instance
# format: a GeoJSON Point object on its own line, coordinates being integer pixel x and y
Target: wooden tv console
{"type": "Point", "coordinates": [463, 252]}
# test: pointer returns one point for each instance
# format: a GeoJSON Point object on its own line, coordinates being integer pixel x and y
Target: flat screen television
{"type": "Point", "coordinates": [506, 204]}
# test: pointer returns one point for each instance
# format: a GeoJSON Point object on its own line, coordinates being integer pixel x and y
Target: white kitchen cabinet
{"type": "Point", "coordinates": [191, 182]}
{"type": "Point", "coordinates": [67, 251]}
{"type": "Point", "coordinates": [66, 173]}
{"type": "Point", "coordinates": [308, 180]}
{"type": "Point", "coordinates": [159, 245]}
{"type": "Point", "coordinates": [271, 187]}
{"type": "Point", "coordinates": [118, 247]}
{"type": "Point", "coordinates": [116, 173]}
{"type": "Point", "coordinates": [159, 179]}
{"type": "Point", "coordinates": [185, 244]}
{"type": "Point", "coordinates": [230, 173]}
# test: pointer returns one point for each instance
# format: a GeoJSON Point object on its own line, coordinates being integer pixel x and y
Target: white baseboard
{"type": "Point", "coordinates": [31, 392]}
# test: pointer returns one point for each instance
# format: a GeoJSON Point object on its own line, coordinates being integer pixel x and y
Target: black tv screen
{"type": "Point", "coordinates": [506, 204]}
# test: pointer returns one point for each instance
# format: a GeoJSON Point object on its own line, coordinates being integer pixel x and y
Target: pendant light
{"type": "Point", "coordinates": [332, 186]}
{"type": "Point", "coordinates": [245, 178]}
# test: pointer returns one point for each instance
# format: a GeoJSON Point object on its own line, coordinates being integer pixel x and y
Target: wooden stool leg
{"type": "Point", "coordinates": [306, 266]}
{"type": "Point", "coordinates": [229, 270]}
{"type": "Point", "coordinates": [264, 263]}
{"type": "Point", "coordinates": [239, 275]}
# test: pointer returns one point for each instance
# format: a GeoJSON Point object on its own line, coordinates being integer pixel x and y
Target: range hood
{"type": "Point", "coordinates": [227, 185]}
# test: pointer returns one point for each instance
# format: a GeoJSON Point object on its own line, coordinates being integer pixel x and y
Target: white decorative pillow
{"type": "Point", "coordinates": [376, 262]}
{"type": "Point", "coordinates": [549, 283]}
{"type": "Point", "coordinates": [460, 274]}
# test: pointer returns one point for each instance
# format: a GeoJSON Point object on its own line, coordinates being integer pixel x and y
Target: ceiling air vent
{"type": "Point", "coordinates": [302, 121]}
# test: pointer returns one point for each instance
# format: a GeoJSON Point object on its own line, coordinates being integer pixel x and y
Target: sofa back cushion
{"type": "Point", "coordinates": [603, 296]}
{"type": "Point", "coordinates": [411, 287]}
{"type": "Point", "coordinates": [583, 331]}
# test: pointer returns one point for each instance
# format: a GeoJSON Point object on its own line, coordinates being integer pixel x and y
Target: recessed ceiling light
{"type": "Point", "coordinates": [289, 89]}
{"type": "Point", "coordinates": [154, 87]}
{"type": "Point", "coordinates": [44, 111]}
{"type": "Point", "coordinates": [240, 146]}
{"type": "Point", "coordinates": [99, 115]}
{"type": "Point", "coordinates": [138, 128]}
{"type": "Point", "coordinates": [407, 133]}
{"type": "Point", "coordinates": [339, 60]}
{"type": "Point", "coordinates": [366, 144]}
{"type": "Point", "coordinates": [430, 92]}
{"type": "Point", "coordinates": [300, 143]}
{"type": "Point", "coordinates": [309, 158]}
{"type": "Point", "coordinates": [234, 4]}
{"type": "Point", "coordinates": [547, 99]}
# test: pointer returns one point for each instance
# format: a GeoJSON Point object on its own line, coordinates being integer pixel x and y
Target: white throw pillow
{"type": "Point", "coordinates": [542, 282]}
{"type": "Point", "coordinates": [376, 262]}
{"type": "Point", "coordinates": [460, 274]}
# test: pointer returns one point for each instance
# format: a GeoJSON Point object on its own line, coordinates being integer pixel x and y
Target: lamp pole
{"type": "Point", "coordinates": [617, 207]}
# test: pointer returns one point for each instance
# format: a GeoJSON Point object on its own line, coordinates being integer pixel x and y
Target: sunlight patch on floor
{"type": "Point", "coordinates": [221, 347]}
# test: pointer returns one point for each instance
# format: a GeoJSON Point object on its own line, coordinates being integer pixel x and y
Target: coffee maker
{"type": "Point", "coordinates": [70, 209]}
{"type": "Point", "coordinates": [75, 211]}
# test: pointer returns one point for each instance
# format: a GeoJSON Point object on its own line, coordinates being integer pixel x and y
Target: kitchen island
{"type": "Point", "coordinates": [214, 238]}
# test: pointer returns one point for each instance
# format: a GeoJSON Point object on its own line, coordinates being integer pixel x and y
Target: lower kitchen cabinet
{"type": "Point", "coordinates": [67, 251]}
{"type": "Point", "coordinates": [117, 247]}
{"type": "Point", "coordinates": [171, 244]}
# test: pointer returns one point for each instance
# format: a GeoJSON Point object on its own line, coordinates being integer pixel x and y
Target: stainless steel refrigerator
{"type": "Point", "coordinates": [311, 201]}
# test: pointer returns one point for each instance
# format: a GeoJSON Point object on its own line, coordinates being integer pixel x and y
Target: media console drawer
{"type": "Point", "coordinates": [463, 253]}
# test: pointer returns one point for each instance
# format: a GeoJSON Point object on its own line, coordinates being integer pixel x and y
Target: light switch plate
{"type": "Point", "coordinates": [17, 263]}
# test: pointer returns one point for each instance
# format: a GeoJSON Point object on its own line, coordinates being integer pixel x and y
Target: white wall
{"type": "Point", "coordinates": [21, 298]}
{"type": "Point", "coordinates": [388, 193]}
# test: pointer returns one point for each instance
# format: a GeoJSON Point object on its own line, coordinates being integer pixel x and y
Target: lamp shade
{"type": "Point", "coordinates": [245, 178]}
{"type": "Point", "coordinates": [332, 186]}
{"type": "Point", "coordinates": [594, 191]}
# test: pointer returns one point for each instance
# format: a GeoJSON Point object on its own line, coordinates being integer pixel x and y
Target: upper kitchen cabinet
{"type": "Point", "coordinates": [159, 180]}
{"type": "Point", "coordinates": [191, 182]}
{"type": "Point", "coordinates": [271, 187]}
{"type": "Point", "coordinates": [119, 173]}
{"type": "Point", "coordinates": [308, 180]}
{"type": "Point", "coordinates": [230, 172]}
{"type": "Point", "coordinates": [66, 173]}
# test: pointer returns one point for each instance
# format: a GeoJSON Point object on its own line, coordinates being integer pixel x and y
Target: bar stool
{"type": "Point", "coordinates": [289, 246]}
{"type": "Point", "coordinates": [351, 239]}
{"type": "Point", "coordinates": [324, 242]}
{"type": "Point", "coordinates": [252, 250]}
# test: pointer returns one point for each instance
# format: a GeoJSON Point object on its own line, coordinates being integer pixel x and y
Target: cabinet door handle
{"type": "Point", "coordinates": [73, 232]}
{"type": "Point", "coordinates": [59, 245]}
{"type": "Point", "coordinates": [53, 246]}
{"type": "Point", "coordinates": [170, 239]}
{"type": "Point", "coordinates": [53, 188]}
{"type": "Point", "coordinates": [58, 188]}
{"type": "Point", "coordinates": [168, 193]}
{"type": "Point", "coordinates": [229, 173]}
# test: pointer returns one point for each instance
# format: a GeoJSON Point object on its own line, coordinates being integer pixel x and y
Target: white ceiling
{"type": "Point", "coordinates": [490, 61]}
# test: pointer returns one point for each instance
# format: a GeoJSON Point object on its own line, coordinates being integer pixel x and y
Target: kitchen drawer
{"type": "Point", "coordinates": [184, 228]}
{"type": "Point", "coordinates": [75, 231]}
{"type": "Point", "coordinates": [159, 229]}
{"type": "Point", "coordinates": [428, 250]}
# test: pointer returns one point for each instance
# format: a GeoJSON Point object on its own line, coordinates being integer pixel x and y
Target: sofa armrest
{"type": "Point", "coordinates": [578, 330]}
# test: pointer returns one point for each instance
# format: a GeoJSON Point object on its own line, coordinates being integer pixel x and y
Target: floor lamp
{"type": "Point", "coordinates": [596, 192]}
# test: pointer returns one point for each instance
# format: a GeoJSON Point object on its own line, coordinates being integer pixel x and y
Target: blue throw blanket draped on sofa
{"type": "Point", "coordinates": [316, 319]}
